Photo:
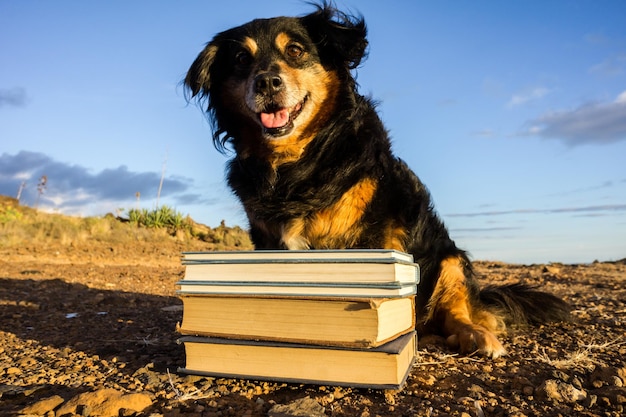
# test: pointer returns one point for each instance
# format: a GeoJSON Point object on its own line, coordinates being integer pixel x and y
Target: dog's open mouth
{"type": "Point", "coordinates": [278, 121]}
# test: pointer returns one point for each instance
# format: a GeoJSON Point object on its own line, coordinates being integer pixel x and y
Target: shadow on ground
{"type": "Point", "coordinates": [123, 326]}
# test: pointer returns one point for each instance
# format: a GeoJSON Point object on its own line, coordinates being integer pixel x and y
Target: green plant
{"type": "Point", "coordinates": [159, 218]}
{"type": "Point", "coordinates": [134, 216]}
{"type": "Point", "coordinates": [162, 217]}
{"type": "Point", "coordinates": [177, 221]}
{"type": "Point", "coordinates": [8, 214]}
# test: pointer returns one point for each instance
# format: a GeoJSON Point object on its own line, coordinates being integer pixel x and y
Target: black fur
{"type": "Point", "coordinates": [522, 304]}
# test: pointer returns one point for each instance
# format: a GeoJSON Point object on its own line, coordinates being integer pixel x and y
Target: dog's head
{"type": "Point", "coordinates": [271, 84]}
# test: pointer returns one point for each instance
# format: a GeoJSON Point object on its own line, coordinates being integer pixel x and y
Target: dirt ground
{"type": "Point", "coordinates": [91, 325]}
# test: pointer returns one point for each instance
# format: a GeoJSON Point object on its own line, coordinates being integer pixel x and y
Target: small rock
{"type": "Point", "coordinates": [192, 379]}
{"type": "Point", "coordinates": [559, 391]}
{"type": "Point", "coordinates": [106, 402]}
{"type": "Point", "coordinates": [304, 407]}
{"type": "Point", "coordinates": [614, 396]}
{"type": "Point", "coordinates": [27, 361]}
{"type": "Point", "coordinates": [151, 379]}
{"type": "Point", "coordinates": [339, 393]}
{"type": "Point", "coordinates": [551, 269]}
{"type": "Point", "coordinates": [390, 397]}
{"type": "Point", "coordinates": [89, 378]}
{"type": "Point", "coordinates": [591, 400]}
{"type": "Point", "coordinates": [13, 371]}
{"type": "Point", "coordinates": [426, 380]}
{"type": "Point", "coordinates": [41, 407]}
{"type": "Point", "coordinates": [604, 375]}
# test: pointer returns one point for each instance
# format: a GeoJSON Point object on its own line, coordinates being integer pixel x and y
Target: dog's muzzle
{"type": "Point", "coordinates": [276, 119]}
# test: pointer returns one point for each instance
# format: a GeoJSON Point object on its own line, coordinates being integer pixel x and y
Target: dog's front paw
{"type": "Point", "coordinates": [472, 338]}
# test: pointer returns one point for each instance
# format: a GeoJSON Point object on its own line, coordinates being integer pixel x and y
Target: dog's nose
{"type": "Point", "coordinates": [268, 83]}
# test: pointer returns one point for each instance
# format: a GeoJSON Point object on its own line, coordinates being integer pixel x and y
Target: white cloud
{"type": "Point", "coordinates": [597, 39]}
{"type": "Point", "coordinates": [595, 123]}
{"type": "Point", "coordinates": [582, 210]}
{"type": "Point", "coordinates": [613, 66]}
{"type": "Point", "coordinates": [484, 133]}
{"type": "Point", "coordinates": [14, 97]}
{"type": "Point", "coordinates": [526, 96]}
{"type": "Point", "coordinates": [71, 187]}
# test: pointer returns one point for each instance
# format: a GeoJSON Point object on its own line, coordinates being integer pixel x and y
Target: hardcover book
{"type": "Point", "coordinates": [384, 367]}
{"type": "Point", "coordinates": [339, 322]}
{"type": "Point", "coordinates": [320, 266]}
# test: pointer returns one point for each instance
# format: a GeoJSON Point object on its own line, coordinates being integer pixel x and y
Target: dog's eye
{"type": "Point", "coordinates": [243, 58]}
{"type": "Point", "coordinates": [294, 51]}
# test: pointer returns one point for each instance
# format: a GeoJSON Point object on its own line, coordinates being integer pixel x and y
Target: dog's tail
{"type": "Point", "coordinates": [523, 304]}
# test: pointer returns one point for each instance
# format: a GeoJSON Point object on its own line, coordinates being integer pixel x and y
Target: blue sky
{"type": "Point", "coordinates": [512, 113]}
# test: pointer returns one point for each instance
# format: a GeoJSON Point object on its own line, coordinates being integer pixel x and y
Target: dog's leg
{"type": "Point", "coordinates": [451, 306]}
{"type": "Point", "coordinates": [394, 237]}
{"type": "Point", "coordinates": [292, 235]}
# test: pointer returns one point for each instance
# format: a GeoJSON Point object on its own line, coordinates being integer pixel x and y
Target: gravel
{"type": "Point", "coordinates": [92, 332]}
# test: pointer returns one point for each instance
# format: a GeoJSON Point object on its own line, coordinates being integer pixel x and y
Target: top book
{"type": "Point", "coordinates": [299, 256]}
{"type": "Point", "coordinates": [321, 266]}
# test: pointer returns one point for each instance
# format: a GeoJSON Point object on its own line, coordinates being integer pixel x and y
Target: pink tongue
{"type": "Point", "coordinates": [274, 120]}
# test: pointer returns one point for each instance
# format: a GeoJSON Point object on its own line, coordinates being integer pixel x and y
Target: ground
{"type": "Point", "coordinates": [90, 324]}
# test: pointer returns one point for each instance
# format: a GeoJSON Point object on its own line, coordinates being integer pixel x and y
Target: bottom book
{"type": "Point", "coordinates": [383, 367]}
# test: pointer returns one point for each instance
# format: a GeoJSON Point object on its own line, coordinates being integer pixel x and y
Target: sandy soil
{"type": "Point", "coordinates": [100, 320]}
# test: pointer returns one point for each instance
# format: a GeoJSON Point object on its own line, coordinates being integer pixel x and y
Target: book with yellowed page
{"type": "Point", "coordinates": [384, 367]}
{"type": "Point", "coordinates": [348, 266]}
{"type": "Point", "coordinates": [331, 321]}
{"type": "Point", "coordinates": [298, 289]}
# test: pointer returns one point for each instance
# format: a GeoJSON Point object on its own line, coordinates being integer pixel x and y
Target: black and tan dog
{"type": "Point", "coordinates": [314, 169]}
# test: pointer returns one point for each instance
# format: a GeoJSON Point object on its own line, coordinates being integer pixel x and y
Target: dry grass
{"type": "Point", "coordinates": [66, 230]}
{"type": "Point", "coordinates": [22, 226]}
{"type": "Point", "coordinates": [581, 359]}
{"type": "Point", "coordinates": [182, 396]}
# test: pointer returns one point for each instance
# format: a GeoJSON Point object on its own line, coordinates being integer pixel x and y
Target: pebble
{"type": "Point", "coordinates": [559, 391]}
{"type": "Point", "coordinates": [117, 370]}
{"type": "Point", "coordinates": [13, 371]}
{"type": "Point", "coordinates": [106, 402]}
{"type": "Point", "coordinates": [43, 406]}
{"type": "Point", "coordinates": [304, 407]}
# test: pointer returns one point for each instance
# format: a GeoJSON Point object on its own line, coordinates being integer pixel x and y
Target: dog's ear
{"type": "Point", "coordinates": [340, 38]}
{"type": "Point", "coordinates": [198, 85]}
{"type": "Point", "coordinates": [198, 79]}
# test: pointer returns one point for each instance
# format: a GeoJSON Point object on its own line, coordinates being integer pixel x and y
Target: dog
{"type": "Point", "coordinates": [314, 169]}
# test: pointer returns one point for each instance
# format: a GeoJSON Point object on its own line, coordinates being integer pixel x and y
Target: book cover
{"type": "Point", "coordinates": [299, 272]}
{"type": "Point", "coordinates": [335, 322]}
{"type": "Point", "coordinates": [336, 266]}
{"type": "Point", "coordinates": [385, 367]}
{"type": "Point", "coordinates": [303, 256]}
{"type": "Point", "coordinates": [297, 289]}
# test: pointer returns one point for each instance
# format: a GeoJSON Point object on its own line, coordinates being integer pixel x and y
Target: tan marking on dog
{"type": "Point", "coordinates": [292, 235]}
{"type": "Point", "coordinates": [394, 237]}
{"type": "Point", "coordinates": [490, 321]}
{"type": "Point", "coordinates": [450, 294]}
{"type": "Point", "coordinates": [251, 45]}
{"type": "Point", "coordinates": [321, 87]}
{"type": "Point", "coordinates": [282, 40]}
{"type": "Point", "coordinates": [450, 303]}
{"type": "Point", "coordinates": [198, 77]}
{"type": "Point", "coordinates": [338, 225]}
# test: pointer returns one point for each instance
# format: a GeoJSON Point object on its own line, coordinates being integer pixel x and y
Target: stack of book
{"type": "Point", "coordinates": [337, 317]}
